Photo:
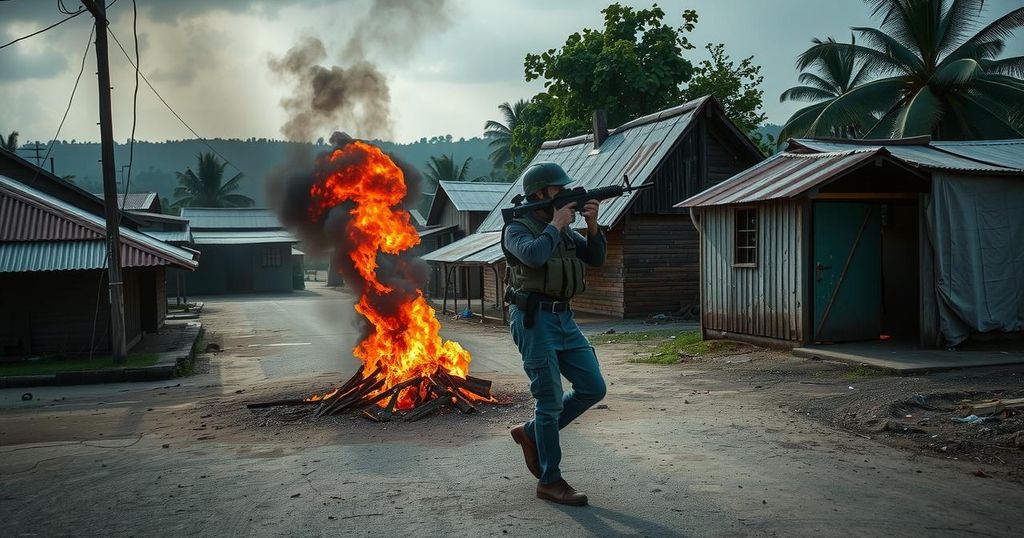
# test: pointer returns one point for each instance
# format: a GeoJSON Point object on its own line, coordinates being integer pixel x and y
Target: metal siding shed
{"type": "Point", "coordinates": [1009, 153]}
{"type": "Point", "coordinates": [925, 154]}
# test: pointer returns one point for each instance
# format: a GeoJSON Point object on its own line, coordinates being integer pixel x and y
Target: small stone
{"type": "Point", "coordinates": [601, 406]}
{"type": "Point", "coordinates": [296, 495]}
{"type": "Point", "coordinates": [167, 445]}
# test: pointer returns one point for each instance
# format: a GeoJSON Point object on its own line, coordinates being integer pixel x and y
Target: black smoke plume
{"type": "Point", "coordinates": [354, 95]}
{"type": "Point", "coordinates": [326, 237]}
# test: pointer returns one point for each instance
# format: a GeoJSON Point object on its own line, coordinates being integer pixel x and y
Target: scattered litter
{"type": "Point", "coordinates": [212, 347]}
{"type": "Point", "coordinates": [673, 337]}
{"type": "Point", "coordinates": [850, 387]}
{"type": "Point", "coordinates": [27, 396]}
{"type": "Point", "coordinates": [601, 406]}
{"type": "Point", "coordinates": [296, 495]}
{"type": "Point", "coordinates": [659, 317]}
{"type": "Point", "coordinates": [466, 314]}
{"type": "Point", "coordinates": [609, 331]}
{"type": "Point", "coordinates": [973, 419]}
{"type": "Point", "coordinates": [982, 474]}
{"type": "Point", "coordinates": [919, 399]}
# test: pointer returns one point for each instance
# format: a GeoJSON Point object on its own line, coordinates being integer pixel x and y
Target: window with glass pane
{"type": "Point", "coordinates": [272, 257]}
{"type": "Point", "coordinates": [746, 237]}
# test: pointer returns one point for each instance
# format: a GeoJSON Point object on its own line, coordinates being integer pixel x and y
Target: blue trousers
{"type": "Point", "coordinates": [552, 348]}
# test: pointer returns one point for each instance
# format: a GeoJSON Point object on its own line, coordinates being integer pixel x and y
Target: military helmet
{"type": "Point", "coordinates": [543, 174]}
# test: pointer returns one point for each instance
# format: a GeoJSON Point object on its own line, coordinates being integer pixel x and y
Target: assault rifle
{"type": "Point", "coordinates": [568, 196]}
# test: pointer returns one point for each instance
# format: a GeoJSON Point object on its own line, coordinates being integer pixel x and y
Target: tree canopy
{"type": "Point", "coordinates": [207, 188]}
{"type": "Point", "coordinates": [932, 71]}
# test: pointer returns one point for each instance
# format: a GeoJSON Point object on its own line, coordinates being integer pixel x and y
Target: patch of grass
{"type": "Point", "coordinates": [863, 371]}
{"type": "Point", "coordinates": [53, 365]}
{"type": "Point", "coordinates": [687, 344]}
{"type": "Point", "coordinates": [632, 336]}
{"type": "Point", "coordinates": [669, 345]}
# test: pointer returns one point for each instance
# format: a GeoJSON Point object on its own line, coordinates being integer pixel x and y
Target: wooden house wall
{"type": "Point", "coordinates": [605, 288]}
{"type": "Point", "coordinates": [660, 265]}
{"type": "Point", "coordinates": [494, 295]}
{"type": "Point", "coordinates": [52, 312]}
{"type": "Point", "coordinates": [763, 301]}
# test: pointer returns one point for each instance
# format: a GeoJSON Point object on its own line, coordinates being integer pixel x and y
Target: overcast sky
{"type": "Point", "coordinates": [209, 58]}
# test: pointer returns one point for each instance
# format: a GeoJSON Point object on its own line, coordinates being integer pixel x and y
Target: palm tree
{"type": "Point", "coordinates": [444, 168]}
{"type": "Point", "coordinates": [833, 74]}
{"type": "Point", "coordinates": [207, 188]}
{"type": "Point", "coordinates": [938, 75]}
{"type": "Point", "coordinates": [11, 144]}
{"type": "Point", "coordinates": [500, 134]}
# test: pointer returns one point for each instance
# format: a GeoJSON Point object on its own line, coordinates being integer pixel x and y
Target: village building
{"type": "Point", "coordinates": [243, 250]}
{"type": "Point", "coordinates": [457, 209]}
{"type": "Point", "coordinates": [137, 201]}
{"type": "Point", "coordinates": [836, 240]}
{"type": "Point", "coordinates": [53, 260]}
{"type": "Point", "coordinates": [651, 264]}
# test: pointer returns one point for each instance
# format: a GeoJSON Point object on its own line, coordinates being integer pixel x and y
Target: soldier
{"type": "Point", "coordinates": [545, 270]}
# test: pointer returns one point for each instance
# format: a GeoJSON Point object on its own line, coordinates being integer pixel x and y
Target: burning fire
{"type": "Point", "coordinates": [404, 344]}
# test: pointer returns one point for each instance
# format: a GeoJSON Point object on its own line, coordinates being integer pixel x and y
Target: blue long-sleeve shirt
{"type": "Point", "coordinates": [535, 251]}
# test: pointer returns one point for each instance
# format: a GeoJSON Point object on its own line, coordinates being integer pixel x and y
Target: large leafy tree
{"type": "Point", "coordinates": [936, 74]}
{"type": "Point", "coordinates": [206, 187]}
{"type": "Point", "coordinates": [11, 143]}
{"type": "Point", "coordinates": [737, 88]}
{"type": "Point", "coordinates": [500, 134]}
{"type": "Point", "coordinates": [631, 67]}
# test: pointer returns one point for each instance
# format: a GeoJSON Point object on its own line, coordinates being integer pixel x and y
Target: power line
{"type": "Point", "coordinates": [71, 100]}
{"type": "Point", "coordinates": [37, 32]}
{"type": "Point", "coordinates": [166, 104]}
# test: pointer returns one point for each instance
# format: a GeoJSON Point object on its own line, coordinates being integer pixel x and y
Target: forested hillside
{"type": "Point", "coordinates": [156, 162]}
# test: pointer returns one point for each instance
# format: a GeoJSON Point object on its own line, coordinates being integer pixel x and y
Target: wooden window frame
{"type": "Point", "coordinates": [271, 257]}
{"type": "Point", "coordinates": [737, 231]}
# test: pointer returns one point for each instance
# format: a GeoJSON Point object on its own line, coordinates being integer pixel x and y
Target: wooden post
{"type": "Point", "coordinates": [482, 294]}
{"type": "Point", "coordinates": [119, 348]}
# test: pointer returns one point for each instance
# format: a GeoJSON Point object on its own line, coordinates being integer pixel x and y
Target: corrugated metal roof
{"type": "Point", "coordinates": [69, 256]}
{"type": "Point", "coordinates": [488, 256]}
{"type": "Point", "coordinates": [470, 245]}
{"type": "Point", "coordinates": [132, 201]}
{"type": "Point", "coordinates": [242, 237]}
{"type": "Point", "coordinates": [932, 155]}
{"type": "Point", "coordinates": [21, 220]}
{"type": "Point", "coordinates": [172, 236]}
{"type": "Point", "coordinates": [782, 175]}
{"type": "Point", "coordinates": [297, 252]}
{"type": "Point", "coordinates": [635, 148]}
{"type": "Point", "coordinates": [210, 218]}
{"type": "Point", "coordinates": [434, 230]}
{"type": "Point", "coordinates": [142, 250]}
{"type": "Point", "coordinates": [1008, 153]}
{"type": "Point", "coordinates": [418, 219]}
{"type": "Point", "coordinates": [474, 195]}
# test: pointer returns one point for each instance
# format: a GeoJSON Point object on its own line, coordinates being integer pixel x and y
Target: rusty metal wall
{"type": "Point", "coordinates": [763, 301]}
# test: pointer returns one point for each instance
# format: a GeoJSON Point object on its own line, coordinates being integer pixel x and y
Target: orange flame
{"type": "Point", "coordinates": [405, 343]}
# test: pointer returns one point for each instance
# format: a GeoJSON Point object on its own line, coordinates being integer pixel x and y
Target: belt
{"type": "Point", "coordinates": [554, 306]}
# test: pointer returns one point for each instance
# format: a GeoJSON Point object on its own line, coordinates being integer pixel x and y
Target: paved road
{"type": "Point", "coordinates": [185, 458]}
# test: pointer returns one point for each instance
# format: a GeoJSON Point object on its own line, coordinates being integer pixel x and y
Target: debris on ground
{"type": "Point", "coordinates": [27, 396]}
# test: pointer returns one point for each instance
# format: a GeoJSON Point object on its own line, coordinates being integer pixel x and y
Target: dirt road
{"type": "Point", "coordinates": [710, 448]}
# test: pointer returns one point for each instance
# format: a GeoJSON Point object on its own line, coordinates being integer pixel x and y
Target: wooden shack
{"type": "Point", "coordinates": [651, 265]}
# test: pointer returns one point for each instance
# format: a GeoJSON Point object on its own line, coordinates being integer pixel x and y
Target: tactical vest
{"type": "Point", "coordinates": [561, 277]}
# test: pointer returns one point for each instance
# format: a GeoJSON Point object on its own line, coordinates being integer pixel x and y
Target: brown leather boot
{"type": "Point", "coordinates": [529, 449]}
{"type": "Point", "coordinates": [561, 492]}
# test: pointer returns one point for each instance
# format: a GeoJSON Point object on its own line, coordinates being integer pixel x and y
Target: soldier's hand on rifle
{"type": "Point", "coordinates": [589, 211]}
{"type": "Point", "coordinates": [564, 217]}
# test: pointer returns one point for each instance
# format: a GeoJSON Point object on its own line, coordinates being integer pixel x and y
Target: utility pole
{"type": "Point", "coordinates": [115, 284]}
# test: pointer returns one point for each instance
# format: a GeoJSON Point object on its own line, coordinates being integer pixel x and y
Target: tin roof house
{"type": "Point", "coordinates": [243, 251]}
{"type": "Point", "coordinates": [52, 264]}
{"type": "Point", "coordinates": [833, 241]}
{"type": "Point", "coordinates": [651, 264]}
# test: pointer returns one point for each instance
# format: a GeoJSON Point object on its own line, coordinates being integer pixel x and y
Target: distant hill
{"type": "Point", "coordinates": [155, 163]}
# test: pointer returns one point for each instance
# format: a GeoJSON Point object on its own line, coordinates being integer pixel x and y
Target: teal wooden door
{"type": "Point", "coordinates": [847, 271]}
